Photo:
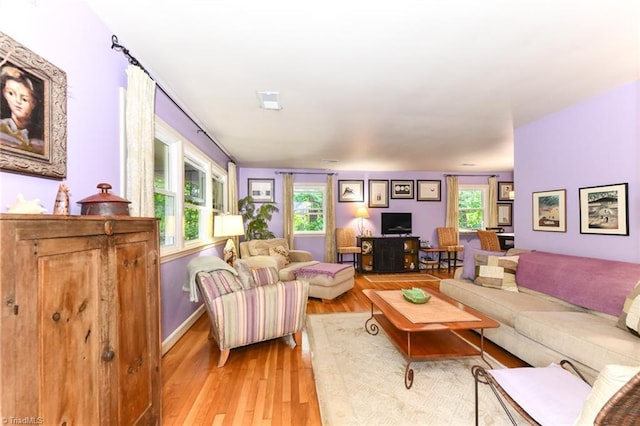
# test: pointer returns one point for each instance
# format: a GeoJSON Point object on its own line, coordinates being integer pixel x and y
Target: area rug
{"type": "Point", "coordinates": [360, 380]}
{"type": "Point", "coordinates": [404, 277]}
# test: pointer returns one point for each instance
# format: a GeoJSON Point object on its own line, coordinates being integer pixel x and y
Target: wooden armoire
{"type": "Point", "coordinates": [80, 320]}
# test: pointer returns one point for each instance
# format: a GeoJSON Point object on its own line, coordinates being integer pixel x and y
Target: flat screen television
{"type": "Point", "coordinates": [396, 223]}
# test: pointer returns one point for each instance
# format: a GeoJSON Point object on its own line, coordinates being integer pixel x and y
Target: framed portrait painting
{"type": "Point", "coordinates": [351, 191]}
{"type": "Point", "coordinates": [402, 189]}
{"type": "Point", "coordinates": [33, 116]}
{"type": "Point", "coordinates": [378, 193]}
{"type": "Point", "coordinates": [429, 190]}
{"type": "Point", "coordinates": [604, 210]}
{"type": "Point", "coordinates": [550, 211]}
{"type": "Point", "coordinates": [261, 190]}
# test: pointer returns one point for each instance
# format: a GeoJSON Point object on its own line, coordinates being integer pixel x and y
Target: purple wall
{"type": "Point", "coordinates": [426, 215]}
{"type": "Point", "coordinates": [592, 143]}
{"type": "Point", "coordinates": [81, 48]}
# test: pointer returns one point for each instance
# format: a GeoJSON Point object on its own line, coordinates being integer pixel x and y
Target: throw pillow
{"type": "Point", "coordinates": [498, 272]}
{"type": "Point", "coordinates": [608, 382]}
{"type": "Point", "coordinates": [217, 283]}
{"type": "Point", "coordinates": [265, 276]}
{"type": "Point", "coordinates": [244, 274]}
{"type": "Point", "coordinates": [282, 252]}
{"type": "Point", "coordinates": [469, 263]}
{"type": "Point", "coordinates": [633, 295]}
{"type": "Point", "coordinates": [633, 316]}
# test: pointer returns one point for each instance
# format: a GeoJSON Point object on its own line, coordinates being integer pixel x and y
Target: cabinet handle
{"type": "Point", "coordinates": [108, 228]}
{"type": "Point", "coordinates": [108, 354]}
{"type": "Point", "coordinates": [56, 316]}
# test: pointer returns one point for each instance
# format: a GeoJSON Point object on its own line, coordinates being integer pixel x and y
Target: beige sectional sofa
{"type": "Point", "coordinates": [566, 307]}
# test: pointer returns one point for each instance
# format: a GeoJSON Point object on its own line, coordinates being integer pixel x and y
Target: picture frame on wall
{"type": "Point", "coordinates": [505, 214]}
{"type": "Point", "coordinates": [262, 190]}
{"type": "Point", "coordinates": [429, 190]}
{"type": "Point", "coordinates": [604, 210]}
{"type": "Point", "coordinates": [550, 211]}
{"type": "Point", "coordinates": [378, 193]}
{"type": "Point", "coordinates": [33, 135]}
{"type": "Point", "coordinates": [506, 191]}
{"type": "Point", "coordinates": [351, 191]}
{"type": "Point", "coordinates": [402, 189]}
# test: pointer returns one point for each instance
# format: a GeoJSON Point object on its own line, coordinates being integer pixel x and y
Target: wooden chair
{"type": "Point", "coordinates": [562, 399]}
{"type": "Point", "coordinates": [489, 240]}
{"type": "Point", "coordinates": [346, 244]}
{"type": "Point", "coordinates": [448, 240]}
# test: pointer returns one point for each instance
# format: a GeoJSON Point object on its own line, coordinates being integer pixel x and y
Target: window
{"type": "Point", "coordinates": [472, 207]}
{"type": "Point", "coordinates": [308, 208]}
{"type": "Point", "coordinates": [189, 189]}
{"type": "Point", "coordinates": [165, 191]}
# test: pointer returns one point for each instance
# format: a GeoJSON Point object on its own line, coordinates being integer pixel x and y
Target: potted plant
{"type": "Point", "coordinates": [256, 219]}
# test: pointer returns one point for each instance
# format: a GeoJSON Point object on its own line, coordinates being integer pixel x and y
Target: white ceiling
{"type": "Point", "coordinates": [380, 84]}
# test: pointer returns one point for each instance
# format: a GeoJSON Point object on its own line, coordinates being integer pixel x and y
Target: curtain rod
{"type": "Point", "coordinates": [306, 173]}
{"type": "Point", "coordinates": [133, 61]}
{"type": "Point", "coordinates": [487, 174]}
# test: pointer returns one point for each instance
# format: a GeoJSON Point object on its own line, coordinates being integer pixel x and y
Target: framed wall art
{"type": "Point", "coordinates": [351, 191]}
{"type": "Point", "coordinates": [505, 214]}
{"type": "Point", "coordinates": [378, 193]}
{"type": "Point", "coordinates": [550, 211]}
{"type": "Point", "coordinates": [33, 112]}
{"type": "Point", "coordinates": [604, 210]}
{"type": "Point", "coordinates": [402, 189]}
{"type": "Point", "coordinates": [261, 190]}
{"type": "Point", "coordinates": [505, 191]}
{"type": "Point", "coordinates": [429, 190]}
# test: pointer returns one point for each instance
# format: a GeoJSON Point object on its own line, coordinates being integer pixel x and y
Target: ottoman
{"type": "Point", "coordinates": [327, 280]}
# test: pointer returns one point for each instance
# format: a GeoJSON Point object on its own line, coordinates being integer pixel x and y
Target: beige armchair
{"type": "Point", "coordinates": [275, 253]}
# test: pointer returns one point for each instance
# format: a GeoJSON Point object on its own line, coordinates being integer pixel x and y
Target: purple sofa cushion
{"type": "Point", "coordinates": [597, 284]}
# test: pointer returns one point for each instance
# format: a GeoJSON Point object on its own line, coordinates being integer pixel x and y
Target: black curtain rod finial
{"type": "Point", "coordinates": [115, 45]}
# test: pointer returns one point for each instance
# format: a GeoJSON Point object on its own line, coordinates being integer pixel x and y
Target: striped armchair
{"type": "Point", "coordinates": [241, 316]}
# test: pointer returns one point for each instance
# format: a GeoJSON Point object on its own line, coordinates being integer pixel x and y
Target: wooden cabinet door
{"type": "Point", "coordinates": [137, 327]}
{"type": "Point", "coordinates": [57, 323]}
{"type": "Point", "coordinates": [389, 254]}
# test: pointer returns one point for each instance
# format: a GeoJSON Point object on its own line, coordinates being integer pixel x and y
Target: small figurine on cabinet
{"type": "Point", "coordinates": [61, 206]}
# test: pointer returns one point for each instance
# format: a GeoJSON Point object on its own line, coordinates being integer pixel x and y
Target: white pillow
{"type": "Point", "coordinates": [608, 382]}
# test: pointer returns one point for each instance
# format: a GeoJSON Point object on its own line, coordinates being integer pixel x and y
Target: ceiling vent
{"type": "Point", "coordinates": [270, 100]}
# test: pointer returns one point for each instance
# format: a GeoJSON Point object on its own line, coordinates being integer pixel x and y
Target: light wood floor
{"type": "Point", "coordinates": [268, 383]}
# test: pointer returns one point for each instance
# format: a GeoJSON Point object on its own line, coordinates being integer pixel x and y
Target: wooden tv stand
{"type": "Point", "coordinates": [388, 254]}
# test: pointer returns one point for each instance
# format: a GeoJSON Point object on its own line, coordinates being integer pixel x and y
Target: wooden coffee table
{"type": "Point", "coordinates": [419, 341]}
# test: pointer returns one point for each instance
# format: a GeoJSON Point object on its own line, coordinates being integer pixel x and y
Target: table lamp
{"type": "Point", "coordinates": [228, 226]}
{"type": "Point", "coordinates": [362, 214]}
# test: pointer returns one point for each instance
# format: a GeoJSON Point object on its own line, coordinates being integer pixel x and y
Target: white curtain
{"type": "Point", "coordinates": [232, 190]}
{"type": "Point", "coordinates": [493, 202]}
{"type": "Point", "coordinates": [330, 223]}
{"type": "Point", "coordinates": [140, 135]}
{"type": "Point", "coordinates": [287, 214]}
{"type": "Point", "coordinates": [451, 220]}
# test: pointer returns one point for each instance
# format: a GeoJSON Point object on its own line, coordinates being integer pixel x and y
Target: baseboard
{"type": "Point", "coordinates": [173, 338]}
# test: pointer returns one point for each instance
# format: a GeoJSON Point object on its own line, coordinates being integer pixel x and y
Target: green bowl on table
{"type": "Point", "coordinates": [416, 295]}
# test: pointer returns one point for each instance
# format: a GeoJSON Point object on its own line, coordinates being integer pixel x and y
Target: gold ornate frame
{"type": "Point", "coordinates": [50, 85]}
